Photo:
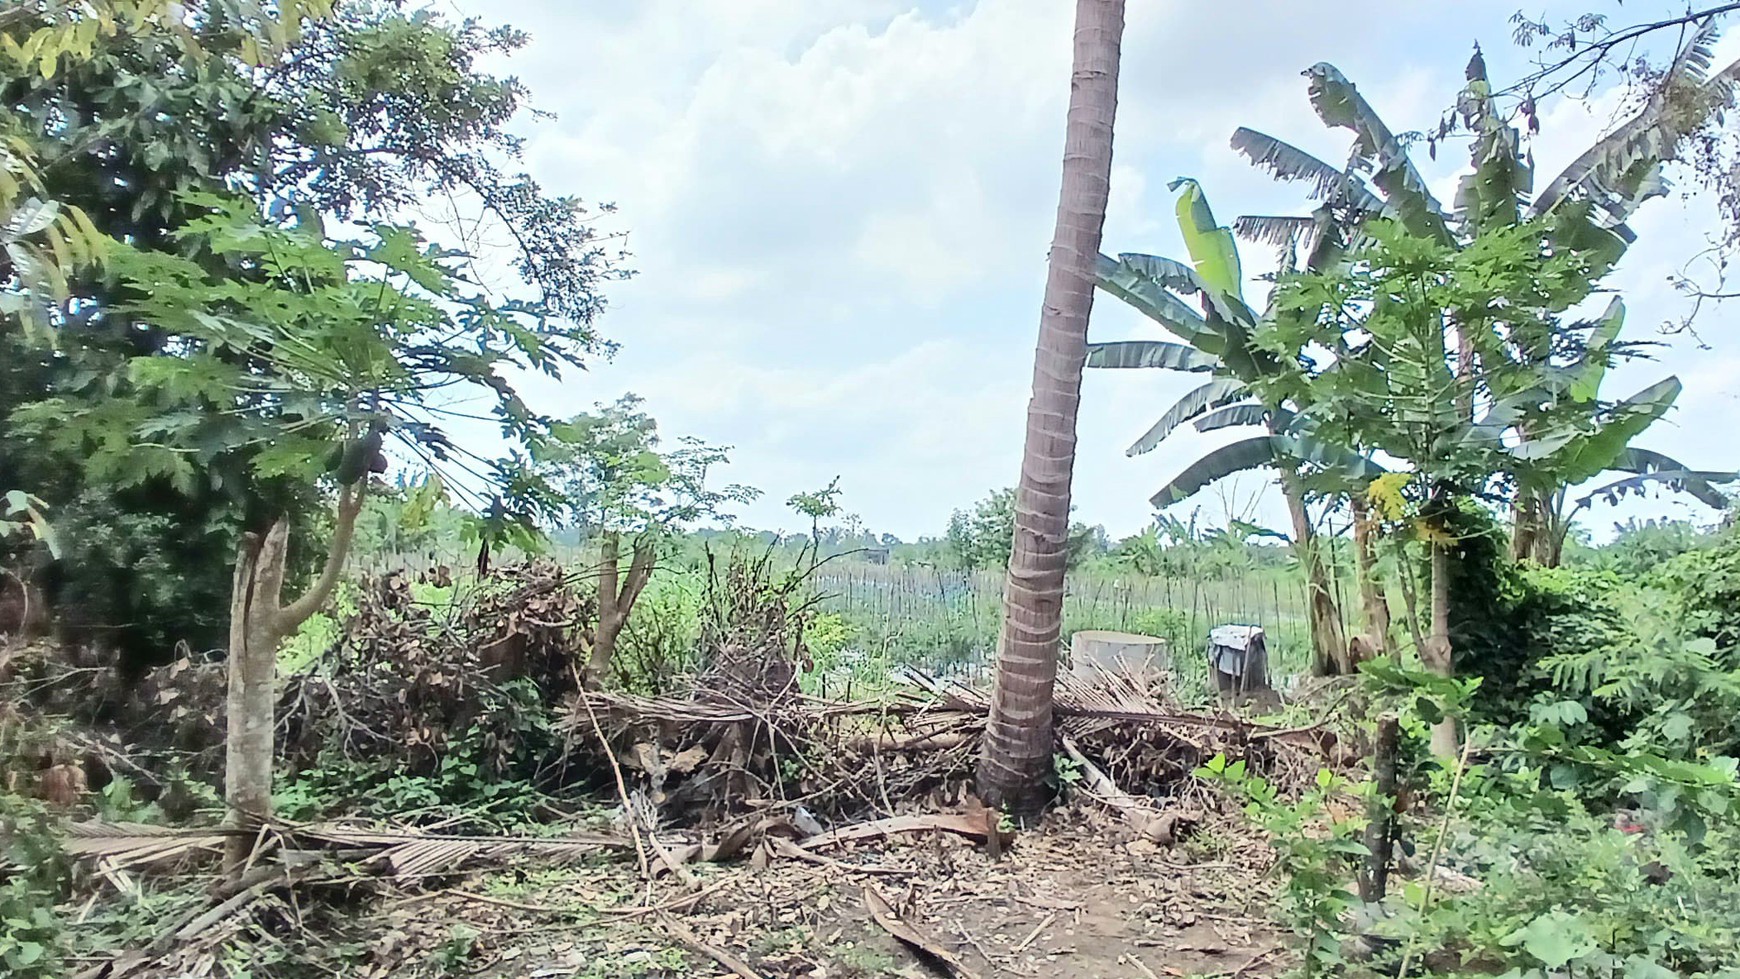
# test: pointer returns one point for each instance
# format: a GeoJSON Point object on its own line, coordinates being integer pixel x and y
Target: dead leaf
{"type": "Point", "coordinates": [926, 948]}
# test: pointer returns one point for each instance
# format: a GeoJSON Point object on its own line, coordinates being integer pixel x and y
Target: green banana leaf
{"type": "Point", "coordinates": [1127, 354]}
{"type": "Point", "coordinates": [1338, 103]}
{"type": "Point", "coordinates": [1211, 247]}
{"type": "Point", "coordinates": [1259, 451]}
{"type": "Point", "coordinates": [1177, 276]}
{"type": "Point", "coordinates": [1591, 369]}
{"type": "Point", "coordinates": [1588, 454]}
{"type": "Point", "coordinates": [1491, 195]}
{"type": "Point", "coordinates": [1228, 460]}
{"type": "Point", "coordinates": [1698, 484]}
{"type": "Point", "coordinates": [1245, 413]}
{"type": "Point", "coordinates": [1648, 463]}
{"type": "Point", "coordinates": [1220, 391]}
{"type": "Point", "coordinates": [1154, 300]}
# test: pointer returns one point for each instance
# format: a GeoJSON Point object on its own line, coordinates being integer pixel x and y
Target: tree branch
{"type": "Point", "coordinates": [350, 501]}
{"type": "Point", "coordinates": [639, 570]}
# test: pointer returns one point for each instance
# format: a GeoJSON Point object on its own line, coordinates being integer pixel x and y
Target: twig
{"type": "Point", "coordinates": [621, 786]}
{"type": "Point", "coordinates": [1043, 924]}
{"type": "Point", "coordinates": [1437, 851]}
{"type": "Point", "coordinates": [1142, 967]}
{"type": "Point", "coordinates": [787, 848]}
{"type": "Point", "coordinates": [732, 963]}
{"type": "Point", "coordinates": [675, 904]}
{"type": "Point", "coordinates": [1260, 956]}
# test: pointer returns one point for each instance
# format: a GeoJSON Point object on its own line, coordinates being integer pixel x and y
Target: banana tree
{"type": "Point", "coordinates": [1221, 339]}
{"type": "Point", "coordinates": [1582, 210]}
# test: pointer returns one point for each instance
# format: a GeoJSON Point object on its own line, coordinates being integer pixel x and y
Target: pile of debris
{"type": "Point", "coordinates": [408, 674]}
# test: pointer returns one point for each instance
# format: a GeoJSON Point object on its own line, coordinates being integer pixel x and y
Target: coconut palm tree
{"type": "Point", "coordinates": [1018, 738]}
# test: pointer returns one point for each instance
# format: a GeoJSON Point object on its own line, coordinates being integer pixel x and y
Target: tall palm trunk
{"type": "Point", "coordinates": [1375, 604]}
{"type": "Point", "coordinates": [1018, 737]}
{"type": "Point", "coordinates": [1328, 643]}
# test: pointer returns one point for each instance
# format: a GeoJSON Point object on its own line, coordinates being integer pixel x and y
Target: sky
{"type": "Point", "coordinates": [839, 213]}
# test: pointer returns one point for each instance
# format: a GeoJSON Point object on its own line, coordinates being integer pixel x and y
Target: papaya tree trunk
{"type": "Point", "coordinates": [1017, 752]}
{"type": "Point", "coordinates": [1527, 531]}
{"type": "Point", "coordinates": [616, 597]}
{"type": "Point", "coordinates": [258, 623]}
{"type": "Point", "coordinates": [1328, 644]}
{"type": "Point", "coordinates": [1375, 603]}
{"type": "Point", "coordinates": [1435, 654]}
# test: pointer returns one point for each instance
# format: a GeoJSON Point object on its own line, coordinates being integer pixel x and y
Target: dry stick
{"type": "Point", "coordinates": [1043, 924]}
{"type": "Point", "coordinates": [621, 786]}
{"type": "Point", "coordinates": [1437, 851]}
{"type": "Point", "coordinates": [732, 963]}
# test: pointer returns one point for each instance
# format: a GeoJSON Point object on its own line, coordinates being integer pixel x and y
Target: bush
{"type": "Point", "coordinates": [1706, 586]}
{"type": "Point", "coordinates": [33, 876]}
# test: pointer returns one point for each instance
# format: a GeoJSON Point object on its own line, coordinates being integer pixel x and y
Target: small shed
{"type": "Point", "coordinates": [1238, 660]}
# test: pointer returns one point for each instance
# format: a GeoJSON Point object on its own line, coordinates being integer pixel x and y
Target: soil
{"type": "Point", "coordinates": [1075, 898]}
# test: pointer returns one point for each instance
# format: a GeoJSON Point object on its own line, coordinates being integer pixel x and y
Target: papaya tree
{"type": "Point", "coordinates": [1398, 385]}
{"type": "Point", "coordinates": [357, 111]}
{"type": "Point", "coordinates": [1220, 339]}
{"type": "Point", "coordinates": [620, 486]}
{"type": "Point", "coordinates": [325, 350]}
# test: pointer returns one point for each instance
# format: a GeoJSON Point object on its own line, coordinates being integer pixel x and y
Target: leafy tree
{"type": "Point", "coordinates": [1018, 735]}
{"type": "Point", "coordinates": [983, 537]}
{"type": "Point", "coordinates": [357, 114]}
{"type": "Point", "coordinates": [299, 369]}
{"type": "Point", "coordinates": [620, 486]}
{"type": "Point", "coordinates": [817, 505]}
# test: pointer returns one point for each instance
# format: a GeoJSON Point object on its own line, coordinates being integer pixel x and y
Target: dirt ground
{"type": "Point", "coordinates": [1075, 898]}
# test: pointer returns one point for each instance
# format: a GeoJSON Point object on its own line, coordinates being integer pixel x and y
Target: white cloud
{"type": "Point", "coordinates": [840, 211]}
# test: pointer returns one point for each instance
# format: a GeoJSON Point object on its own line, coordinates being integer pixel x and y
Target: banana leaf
{"type": "Point", "coordinates": [1647, 462]}
{"type": "Point", "coordinates": [1338, 103]}
{"type": "Point", "coordinates": [1288, 162]}
{"type": "Point", "coordinates": [1211, 247]}
{"type": "Point", "coordinates": [1623, 169]}
{"type": "Point", "coordinates": [1228, 460]}
{"type": "Point", "coordinates": [1153, 299]}
{"type": "Point", "coordinates": [1220, 391]}
{"type": "Point", "coordinates": [1127, 354]}
{"type": "Point", "coordinates": [1697, 484]}
{"type": "Point", "coordinates": [1246, 413]}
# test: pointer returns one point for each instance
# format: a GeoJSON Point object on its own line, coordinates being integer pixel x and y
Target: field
{"type": "Point", "coordinates": [945, 621]}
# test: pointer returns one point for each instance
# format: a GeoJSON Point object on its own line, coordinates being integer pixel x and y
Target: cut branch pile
{"type": "Point", "coordinates": [405, 678]}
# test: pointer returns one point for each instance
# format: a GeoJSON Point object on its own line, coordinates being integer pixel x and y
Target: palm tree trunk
{"type": "Point", "coordinates": [1018, 737]}
{"type": "Point", "coordinates": [1376, 604]}
{"type": "Point", "coordinates": [1328, 643]}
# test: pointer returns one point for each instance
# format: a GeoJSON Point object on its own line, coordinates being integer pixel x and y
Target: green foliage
{"type": "Point", "coordinates": [358, 114]}
{"type": "Point", "coordinates": [31, 936]}
{"type": "Point", "coordinates": [609, 465]}
{"type": "Point", "coordinates": [1314, 848]}
{"type": "Point", "coordinates": [657, 651]}
{"type": "Point", "coordinates": [1707, 589]}
{"type": "Point", "coordinates": [984, 536]}
{"type": "Point", "coordinates": [486, 777]}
